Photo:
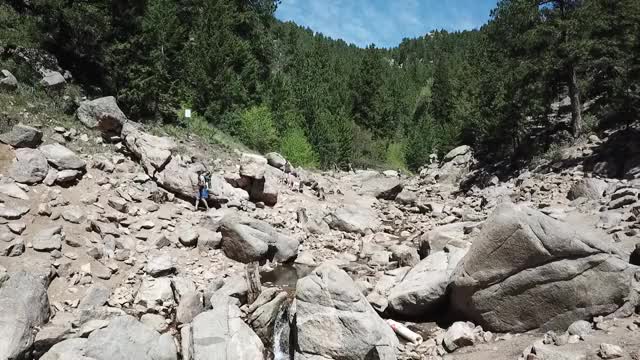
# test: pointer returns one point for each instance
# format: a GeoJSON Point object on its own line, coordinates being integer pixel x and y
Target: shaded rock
{"type": "Point", "coordinates": [14, 248]}
{"type": "Point", "coordinates": [30, 166]}
{"type": "Point", "coordinates": [333, 320]}
{"type": "Point", "coordinates": [7, 80]}
{"type": "Point", "coordinates": [24, 306]}
{"type": "Point", "coordinates": [187, 234]}
{"type": "Point", "coordinates": [154, 152]}
{"type": "Point", "coordinates": [263, 317]}
{"type": "Point", "coordinates": [526, 270]}
{"type": "Point", "coordinates": [220, 334]}
{"type": "Point", "coordinates": [62, 158]}
{"type": "Point", "coordinates": [264, 190]}
{"type": "Point", "coordinates": [248, 240]}
{"type": "Point", "coordinates": [22, 136]}
{"type": "Point", "coordinates": [102, 113]}
{"type": "Point", "coordinates": [276, 160]}
{"type": "Point", "coordinates": [588, 188]}
{"type": "Point", "coordinates": [53, 79]}
{"type": "Point", "coordinates": [51, 177]}
{"type": "Point", "coordinates": [207, 239]}
{"type": "Point", "coordinates": [382, 187]}
{"type": "Point", "coordinates": [423, 289]}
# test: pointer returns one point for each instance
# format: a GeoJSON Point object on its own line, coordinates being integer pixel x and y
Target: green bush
{"type": "Point", "coordinates": [258, 130]}
{"type": "Point", "coordinates": [396, 155]}
{"type": "Point", "coordinates": [296, 148]}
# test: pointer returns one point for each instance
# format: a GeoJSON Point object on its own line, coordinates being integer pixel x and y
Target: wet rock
{"type": "Point", "coordinates": [22, 136]}
{"type": "Point", "coordinates": [30, 166]}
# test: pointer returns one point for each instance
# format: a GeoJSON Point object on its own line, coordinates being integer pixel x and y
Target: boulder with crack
{"type": "Point", "coordinates": [526, 270]}
{"type": "Point", "coordinates": [249, 240]}
{"type": "Point", "coordinates": [154, 152]}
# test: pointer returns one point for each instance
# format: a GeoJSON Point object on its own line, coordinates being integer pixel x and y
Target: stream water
{"type": "Point", "coordinates": [282, 334]}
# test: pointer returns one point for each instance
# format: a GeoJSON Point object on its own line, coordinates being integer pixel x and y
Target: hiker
{"type": "Point", "coordinates": [204, 180]}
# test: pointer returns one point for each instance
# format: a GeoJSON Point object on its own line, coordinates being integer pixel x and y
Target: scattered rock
{"type": "Point", "coordinates": [608, 351]}
{"type": "Point", "coordinates": [30, 166]}
{"type": "Point", "coordinates": [458, 335]}
{"type": "Point", "coordinates": [102, 113]}
{"type": "Point", "coordinates": [22, 136]}
{"type": "Point", "coordinates": [62, 158]}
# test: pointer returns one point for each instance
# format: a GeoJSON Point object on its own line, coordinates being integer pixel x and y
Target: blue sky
{"type": "Point", "coordinates": [384, 22]}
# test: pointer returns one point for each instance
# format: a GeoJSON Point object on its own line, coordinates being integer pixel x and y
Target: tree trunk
{"type": "Point", "coordinates": [576, 104]}
{"type": "Point", "coordinates": [253, 282]}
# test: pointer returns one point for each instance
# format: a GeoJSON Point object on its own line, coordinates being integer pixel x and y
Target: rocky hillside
{"type": "Point", "coordinates": [103, 255]}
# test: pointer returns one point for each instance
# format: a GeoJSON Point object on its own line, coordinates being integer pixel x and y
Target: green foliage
{"type": "Point", "coordinates": [258, 129]}
{"type": "Point", "coordinates": [395, 157]}
{"type": "Point", "coordinates": [15, 29]}
{"type": "Point", "coordinates": [296, 148]}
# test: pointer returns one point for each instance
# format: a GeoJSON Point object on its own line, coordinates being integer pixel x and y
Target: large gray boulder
{"type": "Point", "coordinates": [102, 113]}
{"type": "Point", "coordinates": [526, 270]}
{"type": "Point", "coordinates": [455, 165]}
{"type": "Point", "coordinates": [182, 180]}
{"type": "Point", "coordinates": [154, 152]}
{"type": "Point", "coordinates": [125, 338]}
{"type": "Point", "coordinates": [22, 136]}
{"type": "Point", "coordinates": [220, 334]}
{"type": "Point", "coordinates": [62, 158]}
{"type": "Point", "coordinates": [334, 320]}
{"type": "Point", "coordinates": [24, 306]}
{"type": "Point", "coordinates": [7, 80]}
{"type": "Point", "coordinates": [248, 240]}
{"type": "Point", "coordinates": [276, 160]}
{"type": "Point", "coordinates": [382, 187]}
{"type": "Point", "coordinates": [355, 218]}
{"type": "Point", "coordinates": [424, 288]}
{"type": "Point", "coordinates": [30, 166]}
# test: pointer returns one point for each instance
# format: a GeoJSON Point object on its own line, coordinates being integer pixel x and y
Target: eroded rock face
{"type": "Point", "coordinates": [335, 321]}
{"type": "Point", "coordinates": [24, 305]}
{"type": "Point", "coordinates": [526, 270]}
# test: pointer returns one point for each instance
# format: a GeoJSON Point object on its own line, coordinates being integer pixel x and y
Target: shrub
{"type": "Point", "coordinates": [258, 130]}
{"type": "Point", "coordinates": [296, 148]}
{"type": "Point", "coordinates": [395, 156]}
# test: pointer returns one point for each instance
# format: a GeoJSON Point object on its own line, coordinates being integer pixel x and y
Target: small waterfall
{"type": "Point", "coordinates": [281, 334]}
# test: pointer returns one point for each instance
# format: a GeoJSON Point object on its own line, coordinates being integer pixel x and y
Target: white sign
{"type": "Point", "coordinates": [187, 113]}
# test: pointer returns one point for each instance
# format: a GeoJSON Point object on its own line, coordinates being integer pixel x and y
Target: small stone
{"type": "Point", "coordinates": [608, 351]}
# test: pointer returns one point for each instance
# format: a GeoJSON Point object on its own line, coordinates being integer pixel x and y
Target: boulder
{"type": "Point", "coordinates": [455, 166]}
{"type": "Point", "coordinates": [589, 188]}
{"type": "Point", "coordinates": [253, 166]}
{"type": "Point", "coordinates": [14, 191]}
{"type": "Point", "coordinates": [407, 197]}
{"type": "Point", "coordinates": [7, 80]}
{"type": "Point", "coordinates": [220, 334]}
{"type": "Point", "coordinates": [62, 158]}
{"type": "Point", "coordinates": [187, 234]}
{"type": "Point", "coordinates": [48, 239]}
{"type": "Point", "coordinates": [154, 292]}
{"type": "Point", "coordinates": [438, 238]}
{"type": "Point", "coordinates": [354, 218]}
{"type": "Point", "coordinates": [382, 187]}
{"type": "Point", "coordinates": [248, 240]}
{"type": "Point", "coordinates": [67, 176]}
{"type": "Point", "coordinates": [24, 307]}
{"type": "Point", "coordinates": [160, 265]}
{"type": "Point", "coordinates": [276, 160]}
{"type": "Point", "coordinates": [22, 136]}
{"type": "Point", "coordinates": [154, 152]}
{"type": "Point", "coordinates": [30, 166]}
{"type": "Point", "coordinates": [189, 306]}
{"type": "Point", "coordinates": [13, 213]}
{"type": "Point", "coordinates": [53, 79]}
{"type": "Point", "coordinates": [333, 320]}
{"type": "Point", "coordinates": [264, 316]}
{"type": "Point", "coordinates": [526, 270]}
{"type": "Point", "coordinates": [264, 190]}
{"type": "Point", "coordinates": [458, 335]}
{"type": "Point", "coordinates": [125, 338]}
{"type": "Point", "coordinates": [424, 288]}
{"type": "Point", "coordinates": [102, 113]}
